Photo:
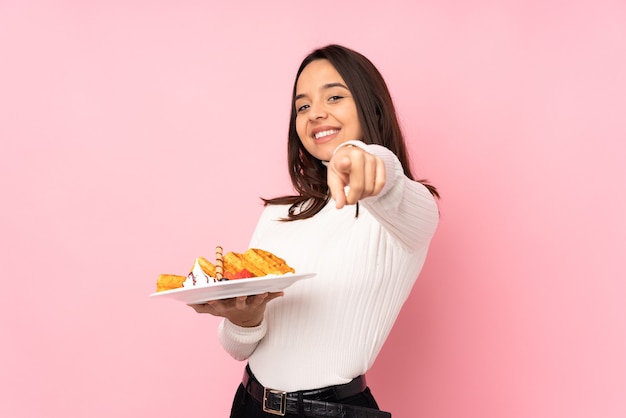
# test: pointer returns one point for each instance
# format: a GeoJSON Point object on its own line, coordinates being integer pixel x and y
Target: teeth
{"type": "Point", "coordinates": [325, 133]}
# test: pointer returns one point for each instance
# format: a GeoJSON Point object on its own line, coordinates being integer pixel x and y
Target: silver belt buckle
{"type": "Point", "coordinates": [283, 402]}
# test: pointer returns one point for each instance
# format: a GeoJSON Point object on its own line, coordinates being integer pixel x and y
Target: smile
{"type": "Point", "coordinates": [322, 134]}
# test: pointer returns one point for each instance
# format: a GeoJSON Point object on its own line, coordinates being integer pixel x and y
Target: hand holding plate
{"type": "Point", "coordinates": [245, 311]}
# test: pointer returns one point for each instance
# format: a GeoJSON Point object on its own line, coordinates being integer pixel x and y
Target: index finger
{"type": "Point", "coordinates": [357, 178]}
{"type": "Point", "coordinates": [337, 179]}
{"type": "Point", "coordinates": [336, 188]}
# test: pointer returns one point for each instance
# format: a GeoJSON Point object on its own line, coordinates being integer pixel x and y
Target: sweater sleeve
{"type": "Point", "coordinates": [240, 342]}
{"type": "Point", "coordinates": [405, 208]}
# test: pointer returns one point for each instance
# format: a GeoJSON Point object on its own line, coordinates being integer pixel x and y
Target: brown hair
{"type": "Point", "coordinates": [379, 124]}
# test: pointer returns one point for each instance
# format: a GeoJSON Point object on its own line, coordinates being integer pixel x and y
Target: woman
{"type": "Point", "coordinates": [360, 221]}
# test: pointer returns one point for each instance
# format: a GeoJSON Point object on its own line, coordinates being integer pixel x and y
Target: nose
{"type": "Point", "coordinates": [317, 111]}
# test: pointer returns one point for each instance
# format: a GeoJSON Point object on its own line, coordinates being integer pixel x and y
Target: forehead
{"type": "Point", "coordinates": [317, 74]}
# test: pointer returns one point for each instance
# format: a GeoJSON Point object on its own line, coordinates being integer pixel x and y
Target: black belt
{"type": "Point", "coordinates": [313, 403]}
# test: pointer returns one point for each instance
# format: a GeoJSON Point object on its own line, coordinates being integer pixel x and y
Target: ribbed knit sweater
{"type": "Point", "coordinates": [328, 329]}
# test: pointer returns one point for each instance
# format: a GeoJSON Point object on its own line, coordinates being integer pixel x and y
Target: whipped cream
{"type": "Point", "coordinates": [197, 277]}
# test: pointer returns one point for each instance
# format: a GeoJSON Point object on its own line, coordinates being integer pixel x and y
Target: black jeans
{"type": "Point", "coordinates": [244, 406]}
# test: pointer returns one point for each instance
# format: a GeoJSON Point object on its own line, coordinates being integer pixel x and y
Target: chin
{"type": "Point", "coordinates": [324, 156]}
{"type": "Point", "coordinates": [323, 152]}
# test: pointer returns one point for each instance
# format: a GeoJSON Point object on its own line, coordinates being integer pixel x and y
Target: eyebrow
{"type": "Point", "coordinates": [324, 87]}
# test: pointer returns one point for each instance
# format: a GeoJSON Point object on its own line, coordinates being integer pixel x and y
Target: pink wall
{"type": "Point", "coordinates": [137, 135]}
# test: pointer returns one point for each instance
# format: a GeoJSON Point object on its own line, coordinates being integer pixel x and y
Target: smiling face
{"type": "Point", "coordinates": [326, 114]}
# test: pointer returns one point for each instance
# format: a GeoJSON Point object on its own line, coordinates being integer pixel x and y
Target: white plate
{"type": "Point", "coordinates": [232, 288]}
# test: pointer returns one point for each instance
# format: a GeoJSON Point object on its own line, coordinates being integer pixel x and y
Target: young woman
{"type": "Point", "coordinates": [360, 221]}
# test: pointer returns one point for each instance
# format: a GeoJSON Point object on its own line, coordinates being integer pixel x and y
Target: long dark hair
{"type": "Point", "coordinates": [379, 124]}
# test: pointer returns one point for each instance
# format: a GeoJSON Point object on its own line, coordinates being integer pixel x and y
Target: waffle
{"type": "Point", "coordinates": [206, 266]}
{"type": "Point", "coordinates": [169, 281]}
{"type": "Point", "coordinates": [258, 262]}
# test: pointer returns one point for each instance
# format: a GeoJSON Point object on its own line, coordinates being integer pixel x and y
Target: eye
{"type": "Point", "coordinates": [335, 98]}
{"type": "Point", "coordinates": [300, 109]}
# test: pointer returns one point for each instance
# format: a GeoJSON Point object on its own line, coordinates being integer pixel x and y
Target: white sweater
{"type": "Point", "coordinates": [328, 329]}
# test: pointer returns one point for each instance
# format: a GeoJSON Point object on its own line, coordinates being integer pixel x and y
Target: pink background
{"type": "Point", "coordinates": [137, 135]}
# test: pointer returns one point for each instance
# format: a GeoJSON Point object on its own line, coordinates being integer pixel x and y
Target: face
{"type": "Point", "coordinates": [326, 114]}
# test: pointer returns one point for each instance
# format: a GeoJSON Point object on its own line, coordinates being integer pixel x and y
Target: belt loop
{"type": "Point", "coordinates": [300, 403]}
